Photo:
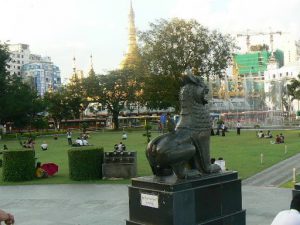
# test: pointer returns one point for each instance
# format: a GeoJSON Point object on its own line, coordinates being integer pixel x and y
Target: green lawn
{"type": "Point", "coordinates": [241, 153]}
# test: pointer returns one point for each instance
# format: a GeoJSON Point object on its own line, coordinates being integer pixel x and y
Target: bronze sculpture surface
{"type": "Point", "coordinates": [186, 150]}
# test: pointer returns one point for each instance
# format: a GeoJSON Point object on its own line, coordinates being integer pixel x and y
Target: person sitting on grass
{"type": "Point", "coordinates": [281, 138]}
{"type": "Point", "coordinates": [268, 134]}
{"type": "Point", "coordinates": [85, 142]}
{"type": "Point", "coordinates": [44, 146]}
{"type": "Point", "coordinates": [116, 147]}
{"type": "Point", "coordinates": [260, 134]}
{"type": "Point", "coordinates": [40, 172]}
{"type": "Point", "coordinates": [29, 143]}
{"type": "Point", "coordinates": [121, 147]}
{"type": "Point", "coordinates": [78, 142]}
{"type": "Point", "coordinates": [277, 140]}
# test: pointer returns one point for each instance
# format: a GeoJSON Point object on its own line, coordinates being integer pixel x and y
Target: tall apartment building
{"type": "Point", "coordinates": [20, 55]}
{"type": "Point", "coordinates": [40, 71]}
{"type": "Point", "coordinates": [42, 74]}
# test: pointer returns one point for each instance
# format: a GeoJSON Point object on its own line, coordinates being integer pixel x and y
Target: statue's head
{"type": "Point", "coordinates": [196, 88]}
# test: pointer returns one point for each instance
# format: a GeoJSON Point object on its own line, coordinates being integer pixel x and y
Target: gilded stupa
{"type": "Point", "coordinates": [132, 56]}
{"type": "Point", "coordinates": [77, 75]}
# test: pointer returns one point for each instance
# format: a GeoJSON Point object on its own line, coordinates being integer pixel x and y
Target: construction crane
{"type": "Point", "coordinates": [249, 34]}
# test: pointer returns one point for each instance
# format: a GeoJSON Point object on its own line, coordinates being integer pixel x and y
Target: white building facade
{"type": "Point", "coordinates": [20, 55]}
{"type": "Point", "coordinates": [280, 77]}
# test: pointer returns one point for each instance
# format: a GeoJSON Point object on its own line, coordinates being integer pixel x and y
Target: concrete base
{"type": "Point", "coordinates": [119, 165]}
{"type": "Point", "coordinates": [208, 200]}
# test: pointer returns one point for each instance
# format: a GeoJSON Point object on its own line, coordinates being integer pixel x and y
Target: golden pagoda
{"type": "Point", "coordinates": [132, 56]}
{"type": "Point", "coordinates": [229, 86]}
{"type": "Point", "coordinates": [77, 75]}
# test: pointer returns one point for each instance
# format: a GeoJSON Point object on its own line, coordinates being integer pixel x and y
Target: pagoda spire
{"type": "Point", "coordinates": [91, 62]}
{"type": "Point", "coordinates": [74, 75]}
{"type": "Point", "coordinates": [132, 55]}
{"type": "Point", "coordinates": [91, 71]}
{"type": "Point", "coordinates": [74, 65]}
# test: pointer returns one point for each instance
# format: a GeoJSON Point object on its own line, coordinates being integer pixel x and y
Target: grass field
{"type": "Point", "coordinates": [241, 153]}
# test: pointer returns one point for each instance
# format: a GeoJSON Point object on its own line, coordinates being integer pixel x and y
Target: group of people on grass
{"type": "Point", "coordinates": [80, 141]}
{"type": "Point", "coordinates": [279, 138]}
{"type": "Point", "coordinates": [261, 134]}
{"type": "Point", "coordinates": [221, 129]}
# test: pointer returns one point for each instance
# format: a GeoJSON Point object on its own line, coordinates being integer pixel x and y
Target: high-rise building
{"type": "Point", "coordinates": [42, 74]}
{"type": "Point", "coordinates": [39, 71]}
{"type": "Point", "coordinates": [20, 55]}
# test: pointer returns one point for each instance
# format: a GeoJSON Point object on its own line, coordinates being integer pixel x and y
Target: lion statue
{"type": "Point", "coordinates": [186, 150]}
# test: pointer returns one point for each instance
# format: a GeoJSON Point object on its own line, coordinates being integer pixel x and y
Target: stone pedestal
{"type": "Point", "coordinates": [208, 200]}
{"type": "Point", "coordinates": [119, 165]}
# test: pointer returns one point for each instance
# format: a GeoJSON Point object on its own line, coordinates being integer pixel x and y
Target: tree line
{"type": "Point", "coordinates": [167, 50]}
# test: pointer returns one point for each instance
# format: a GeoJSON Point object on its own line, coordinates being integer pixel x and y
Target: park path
{"type": "Point", "coordinates": [275, 175]}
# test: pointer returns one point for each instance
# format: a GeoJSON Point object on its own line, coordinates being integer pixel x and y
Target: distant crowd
{"type": "Point", "coordinates": [279, 138]}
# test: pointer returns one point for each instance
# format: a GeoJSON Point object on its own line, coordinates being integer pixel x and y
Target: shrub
{"type": "Point", "coordinates": [85, 163]}
{"type": "Point", "coordinates": [18, 165]}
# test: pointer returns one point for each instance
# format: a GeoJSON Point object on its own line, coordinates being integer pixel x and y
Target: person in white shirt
{"type": "Point", "coordinates": [79, 141]}
{"type": "Point", "coordinates": [238, 128]}
{"type": "Point", "coordinates": [85, 142]}
{"type": "Point", "coordinates": [291, 216]}
{"type": "Point", "coordinates": [124, 136]}
{"type": "Point", "coordinates": [121, 147]}
{"type": "Point", "coordinates": [44, 146]}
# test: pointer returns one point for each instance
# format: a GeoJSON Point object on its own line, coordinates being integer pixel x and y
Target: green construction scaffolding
{"type": "Point", "coordinates": [252, 63]}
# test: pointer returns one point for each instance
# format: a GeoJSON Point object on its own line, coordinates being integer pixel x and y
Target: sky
{"type": "Point", "coordinates": [63, 29]}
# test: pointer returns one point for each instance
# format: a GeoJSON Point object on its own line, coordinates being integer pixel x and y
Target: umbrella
{"type": "Point", "coordinates": [50, 168]}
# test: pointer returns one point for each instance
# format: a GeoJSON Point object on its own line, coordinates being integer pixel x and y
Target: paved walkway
{"type": "Point", "coordinates": [275, 175]}
{"type": "Point", "coordinates": [91, 204]}
{"type": "Point", "coordinates": [108, 204]}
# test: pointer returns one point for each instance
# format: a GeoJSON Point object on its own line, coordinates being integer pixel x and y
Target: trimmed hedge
{"type": "Point", "coordinates": [18, 165]}
{"type": "Point", "coordinates": [85, 163]}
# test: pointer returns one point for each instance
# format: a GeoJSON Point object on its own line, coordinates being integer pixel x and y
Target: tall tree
{"type": "Point", "coordinates": [293, 89]}
{"type": "Point", "coordinates": [58, 106]}
{"type": "Point", "coordinates": [113, 91]}
{"type": "Point", "coordinates": [4, 81]}
{"type": "Point", "coordinates": [18, 102]}
{"type": "Point", "coordinates": [22, 103]}
{"type": "Point", "coordinates": [75, 95]}
{"type": "Point", "coordinates": [170, 48]}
